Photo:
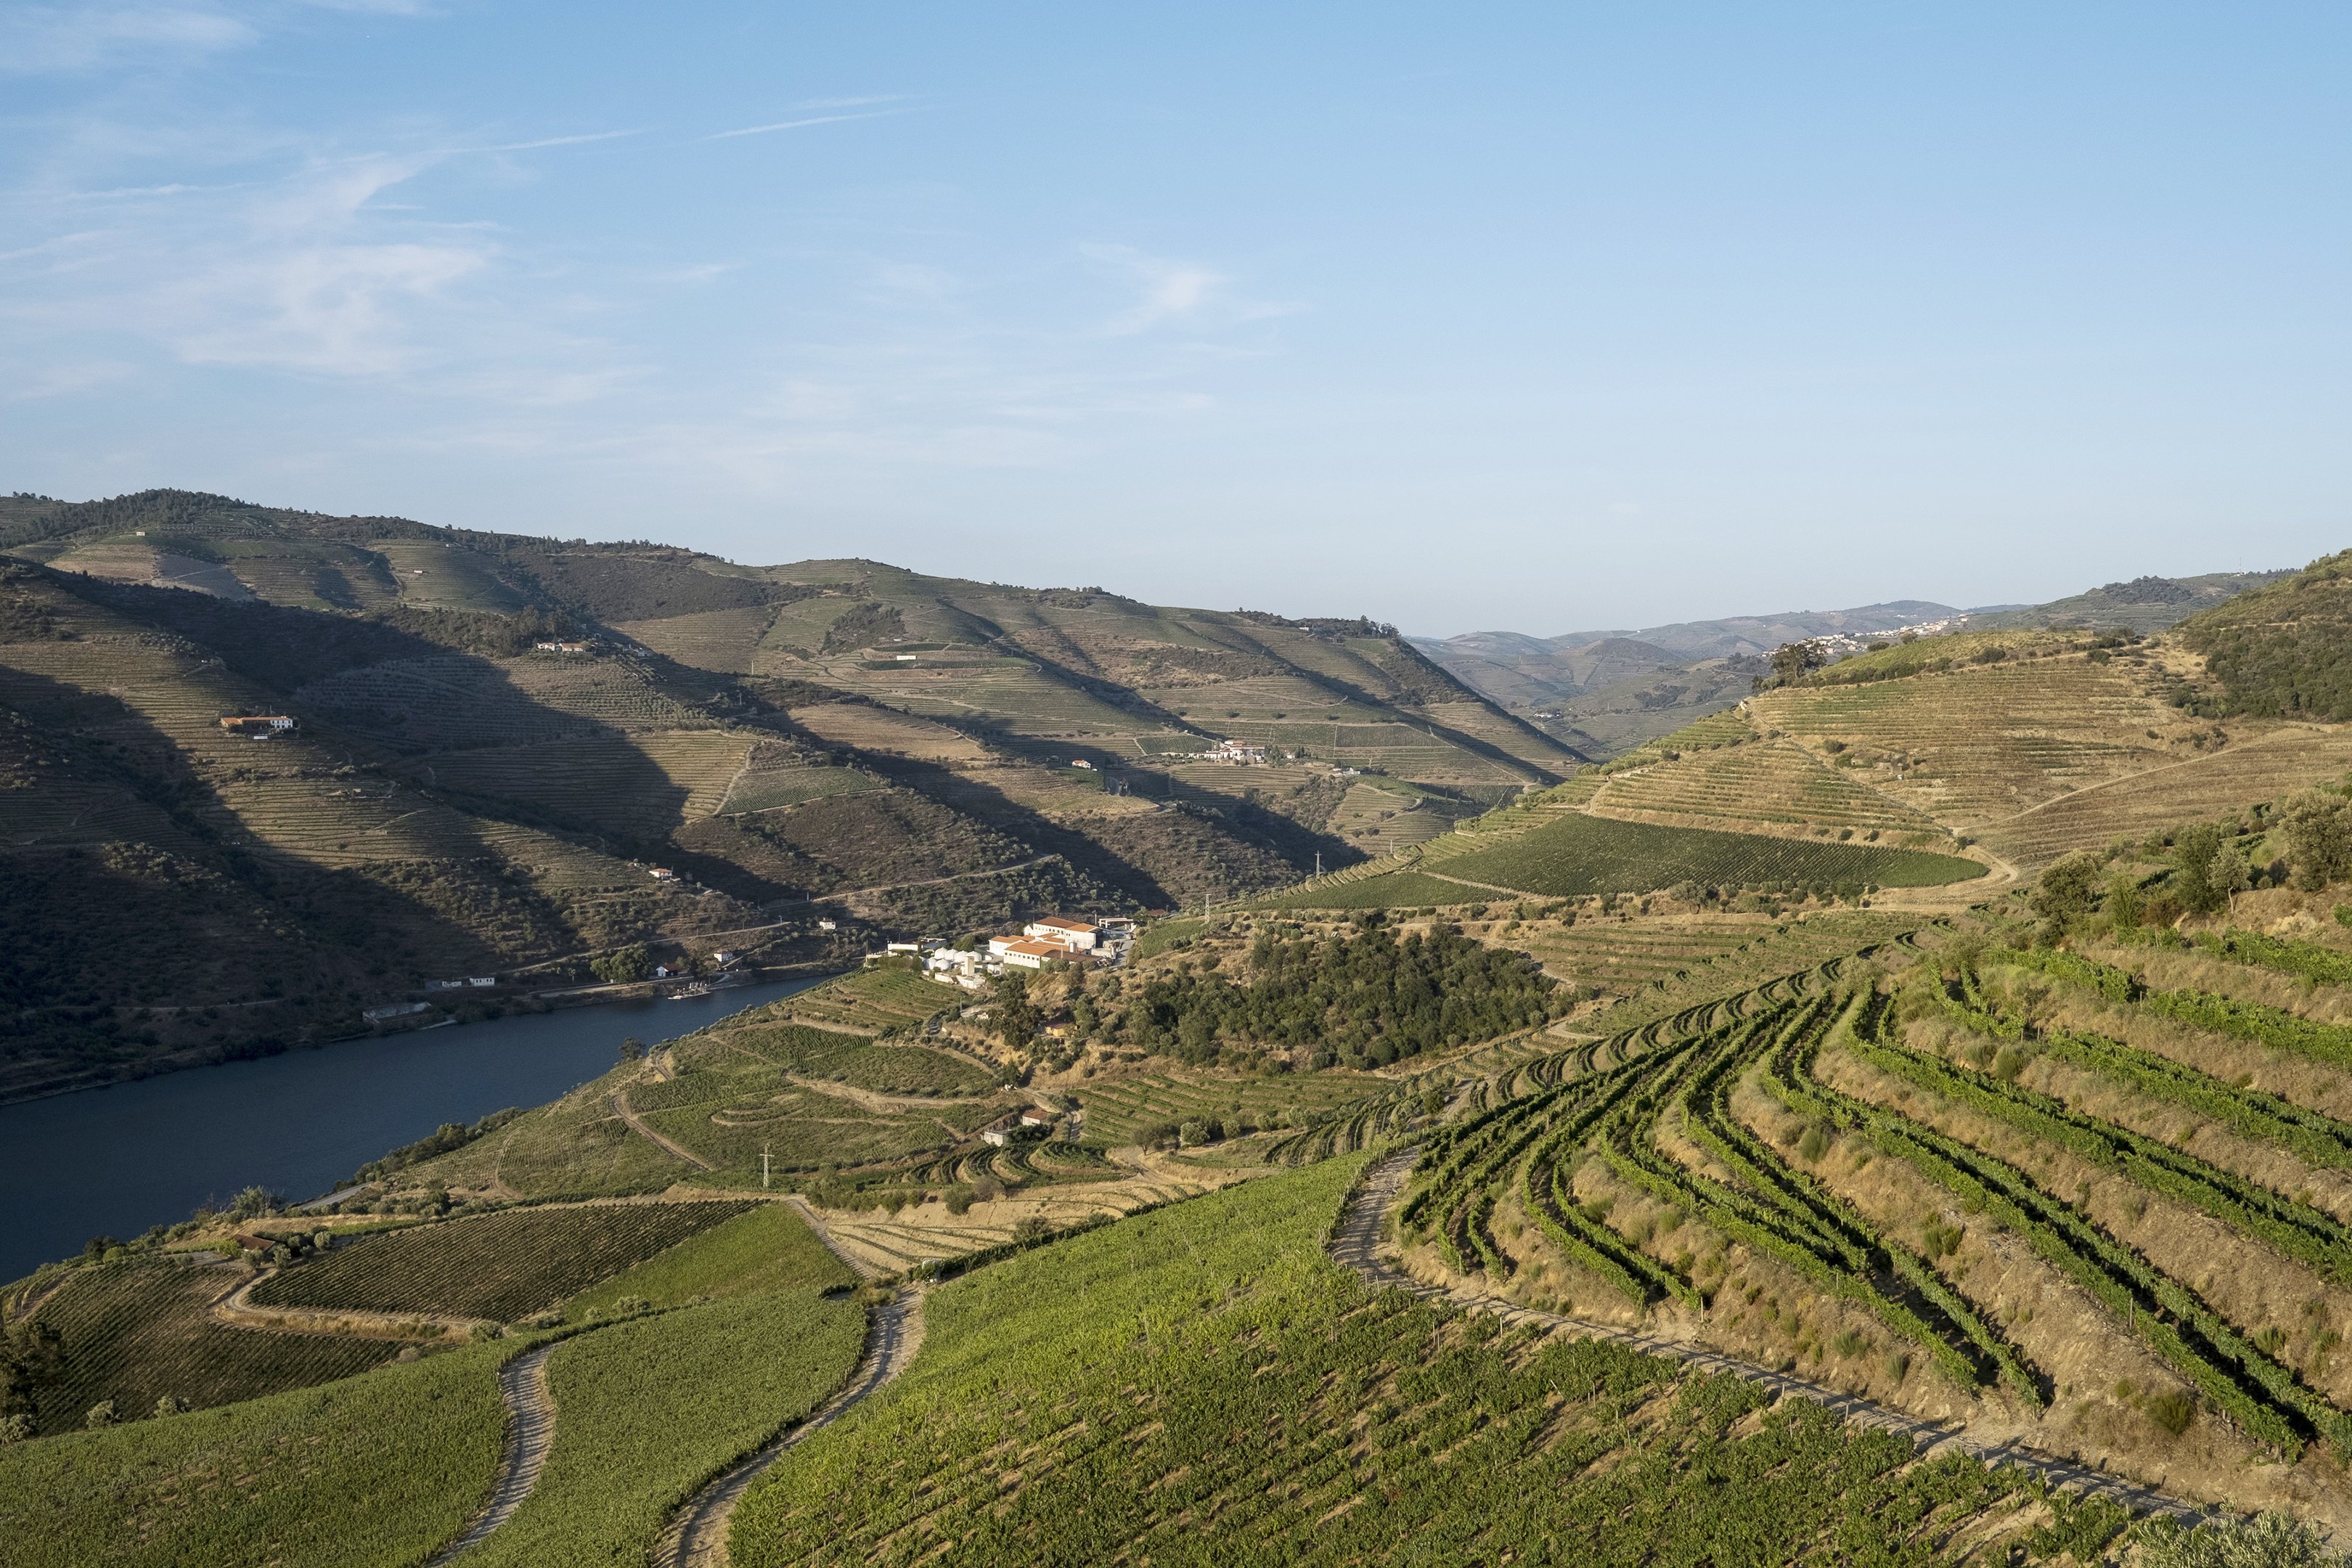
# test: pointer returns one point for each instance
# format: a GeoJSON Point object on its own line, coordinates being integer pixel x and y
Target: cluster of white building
{"type": "Point", "coordinates": [1040, 942]}
{"type": "Point", "coordinates": [1845, 645]}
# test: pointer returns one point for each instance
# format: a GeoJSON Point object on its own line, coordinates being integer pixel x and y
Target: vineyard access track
{"type": "Point", "coordinates": [619, 1102]}
{"type": "Point", "coordinates": [1354, 1243]}
{"type": "Point", "coordinates": [531, 1432]}
{"type": "Point", "coordinates": [698, 1536]}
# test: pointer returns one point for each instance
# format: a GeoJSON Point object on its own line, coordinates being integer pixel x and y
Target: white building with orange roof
{"type": "Point", "coordinates": [1076, 935]}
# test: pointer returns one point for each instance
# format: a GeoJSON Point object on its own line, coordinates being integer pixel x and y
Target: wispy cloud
{"type": "Point", "coordinates": [798, 124]}
{"type": "Point", "coordinates": [375, 7]}
{"type": "Point", "coordinates": [559, 141]}
{"type": "Point", "coordinates": [38, 39]}
{"type": "Point", "coordinates": [1168, 291]}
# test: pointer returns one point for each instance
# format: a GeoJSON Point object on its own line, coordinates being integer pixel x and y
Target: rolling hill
{"type": "Point", "coordinates": [1606, 692]}
{"type": "Point", "coordinates": [511, 754]}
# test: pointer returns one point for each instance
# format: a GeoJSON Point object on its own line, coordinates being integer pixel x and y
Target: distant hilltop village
{"type": "Point", "coordinates": [1843, 644]}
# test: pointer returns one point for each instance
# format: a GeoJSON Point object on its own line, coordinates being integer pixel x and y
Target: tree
{"type": "Point", "coordinates": [2227, 874]}
{"type": "Point", "coordinates": [2123, 901]}
{"type": "Point", "coordinates": [633, 1050]}
{"type": "Point", "coordinates": [32, 1356]}
{"type": "Point", "coordinates": [629, 964]}
{"type": "Point", "coordinates": [1016, 1016]}
{"type": "Point", "coordinates": [2067, 892]}
{"type": "Point", "coordinates": [2318, 826]}
{"type": "Point", "coordinates": [2194, 853]}
{"type": "Point", "coordinates": [1792, 661]}
{"type": "Point", "coordinates": [99, 1415]}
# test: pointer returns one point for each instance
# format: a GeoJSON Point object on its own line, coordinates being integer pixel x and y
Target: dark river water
{"type": "Point", "coordinates": [115, 1161]}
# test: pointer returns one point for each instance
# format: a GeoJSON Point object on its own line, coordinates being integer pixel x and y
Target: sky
{"type": "Point", "coordinates": [1536, 317]}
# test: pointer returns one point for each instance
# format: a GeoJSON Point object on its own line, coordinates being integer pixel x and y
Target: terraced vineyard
{"type": "Point", "coordinates": [1206, 1362]}
{"type": "Point", "coordinates": [1117, 1110]}
{"type": "Point", "coordinates": [1574, 854]}
{"type": "Point", "coordinates": [1383, 821]}
{"type": "Point", "coordinates": [766, 788]}
{"type": "Point", "coordinates": [731, 1121]}
{"type": "Point", "coordinates": [2212, 784]}
{"type": "Point", "coordinates": [1789, 1140]}
{"type": "Point", "coordinates": [725, 641]}
{"type": "Point", "coordinates": [1760, 782]}
{"type": "Point", "coordinates": [645, 783]}
{"type": "Point", "coordinates": [1390, 890]}
{"type": "Point", "coordinates": [1769, 951]}
{"type": "Point", "coordinates": [136, 1332]}
{"type": "Point", "coordinates": [1987, 743]}
{"type": "Point", "coordinates": [877, 998]}
{"type": "Point", "coordinates": [1619, 957]}
{"type": "Point", "coordinates": [903, 1069]}
{"type": "Point", "coordinates": [499, 1266]}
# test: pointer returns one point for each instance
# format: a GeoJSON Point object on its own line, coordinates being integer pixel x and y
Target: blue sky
{"type": "Point", "coordinates": [1526, 317]}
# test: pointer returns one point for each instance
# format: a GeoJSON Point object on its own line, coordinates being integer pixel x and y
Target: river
{"type": "Point", "coordinates": [114, 1161]}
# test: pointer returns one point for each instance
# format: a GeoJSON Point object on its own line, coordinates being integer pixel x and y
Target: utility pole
{"type": "Point", "coordinates": [763, 1166]}
{"type": "Point", "coordinates": [1318, 862]}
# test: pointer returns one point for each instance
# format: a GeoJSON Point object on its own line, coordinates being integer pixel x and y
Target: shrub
{"type": "Point", "coordinates": [2266, 1540]}
{"type": "Point", "coordinates": [2172, 1411]}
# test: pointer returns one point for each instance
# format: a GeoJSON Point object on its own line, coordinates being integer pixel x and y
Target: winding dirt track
{"type": "Point", "coordinates": [697, 1538]}
{"type": "Point", "coordinates": [531, 1432]}
{"type": "Point", "coordinates": [1355, 1242]}
{"type": "Point", "coordinates": [619, 1100]}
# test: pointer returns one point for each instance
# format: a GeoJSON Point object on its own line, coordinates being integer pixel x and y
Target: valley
{"type": "Point", "coordinates": [1898, 1114]}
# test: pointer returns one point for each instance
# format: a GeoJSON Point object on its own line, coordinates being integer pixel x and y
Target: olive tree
{"type": "Point", "coordinates": [2318, 824]}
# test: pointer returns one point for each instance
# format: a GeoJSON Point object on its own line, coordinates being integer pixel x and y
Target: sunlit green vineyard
{"type": "Point", "coordinates": [1204, 1372]}
{"type": "Point", "coordinates": [1573, 854]}
{"type": "Point", "coordinates": [1576, 1146]}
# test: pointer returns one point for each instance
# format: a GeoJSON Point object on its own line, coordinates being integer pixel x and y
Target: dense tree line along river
{"type": "Point", "coordinates": [115, 1161]}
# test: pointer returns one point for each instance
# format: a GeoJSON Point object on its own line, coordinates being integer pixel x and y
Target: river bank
{"type": "Point", "coordinates": [116, 1160]}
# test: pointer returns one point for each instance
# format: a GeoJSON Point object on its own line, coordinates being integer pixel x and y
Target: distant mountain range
{"type": "Point", "coordinates": [1603, 692]}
